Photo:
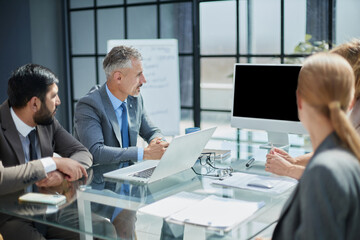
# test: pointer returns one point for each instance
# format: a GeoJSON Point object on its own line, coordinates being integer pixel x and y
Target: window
{"type": "Point", "coordinates": [212, 36]}
{"type": "Point", "coordinates": [91, 23]}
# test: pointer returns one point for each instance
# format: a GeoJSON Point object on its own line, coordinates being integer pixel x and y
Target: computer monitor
{"type": "Point", "coordinates": [265, 99]}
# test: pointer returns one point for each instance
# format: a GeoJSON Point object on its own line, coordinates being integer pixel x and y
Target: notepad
{"type": "Point", "coordinates": [173, 204]}
{"type": "Point", "coordinates": [208, 211]}
{"type": "Point", "coordinates": [217, 212]}
{"type": "Point", "coordinates": [51, 199]}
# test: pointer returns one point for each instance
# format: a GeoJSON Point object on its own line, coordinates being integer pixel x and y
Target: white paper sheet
{"type": "Point", "coordinates": [241, 180]}
{"type": "Point", "coordinates": [217, 212]}
{"type": "Point", "coordinates": [170, 205]}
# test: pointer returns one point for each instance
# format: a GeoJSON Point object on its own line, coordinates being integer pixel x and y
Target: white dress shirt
{"type": "Point", "coordinates": [24, 130]}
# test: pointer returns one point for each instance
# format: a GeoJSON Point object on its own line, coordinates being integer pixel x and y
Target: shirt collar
{"type": "Point", "coordinates": [114, 100]}
{"type": "Point", "coordinates": [22, 127]}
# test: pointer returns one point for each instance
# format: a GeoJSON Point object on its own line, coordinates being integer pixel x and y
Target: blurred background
{"type": "Point", "coordinates": [70, 37]}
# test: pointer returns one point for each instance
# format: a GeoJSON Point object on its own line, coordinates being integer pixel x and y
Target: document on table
{"type": "Point", "coordinates": [241, 180]}
{"type": "Point", "coordinates": [209, 211]}
{"type": "Point", "coordinates": [217, 212]}
{"type": "Point", "coordinates": [170, 205]}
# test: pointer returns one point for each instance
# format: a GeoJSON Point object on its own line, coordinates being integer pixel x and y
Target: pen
{"type": "Point", "coordinates": [250, 162]}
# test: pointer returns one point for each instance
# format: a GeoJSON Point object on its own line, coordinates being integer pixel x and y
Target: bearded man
{"type": "Point", "coordinates": [29, 137]}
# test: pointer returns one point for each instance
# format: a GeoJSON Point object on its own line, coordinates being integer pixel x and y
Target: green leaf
{"type": "Point", "coordinates": [307, 37]}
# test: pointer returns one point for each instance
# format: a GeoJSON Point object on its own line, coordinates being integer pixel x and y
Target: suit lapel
{"type": "Point", "coordinates": [45, 145]}
{"type": "Point", "coordinates": [110, 113]}
{"type": "Point", "coordinates": [11, 133]}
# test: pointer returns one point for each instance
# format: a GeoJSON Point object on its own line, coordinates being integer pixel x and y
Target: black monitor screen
{"type": "Point", "coordinates": [266, 91]}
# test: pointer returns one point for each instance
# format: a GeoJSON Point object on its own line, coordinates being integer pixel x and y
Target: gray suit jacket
{"type": "Point", "coordinates": [17, 177]}
{"type": "Point", "coordinates": [96, 126]}
{"type": "Point", "coordinates": [326, 202]}
{"type": "Point", "coordinates": [53, 139]}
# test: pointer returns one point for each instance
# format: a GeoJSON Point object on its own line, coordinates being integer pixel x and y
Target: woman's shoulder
{"type": "Point", "coordinates": [336, 161]}
{"type": "Point", "coordinates": [336, 155]}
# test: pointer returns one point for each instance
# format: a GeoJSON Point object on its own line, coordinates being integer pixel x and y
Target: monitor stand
{"type": "Point", "coordinates": [276, 139]}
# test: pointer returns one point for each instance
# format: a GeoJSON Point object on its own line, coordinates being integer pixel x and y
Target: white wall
{"type": "Point", "coordinates": [347, 20]}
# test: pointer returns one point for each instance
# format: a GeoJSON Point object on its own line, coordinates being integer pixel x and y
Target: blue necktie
{"type": "Point", "coordinates": [125, 143]}
{"type": "Point", "coordinates": [124, 126]}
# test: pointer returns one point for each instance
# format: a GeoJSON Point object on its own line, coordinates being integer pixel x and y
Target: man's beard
{"type": "Point", "coordinates": [44, 116]}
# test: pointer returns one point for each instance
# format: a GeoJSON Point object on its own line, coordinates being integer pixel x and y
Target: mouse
{"type": "Point", "coordinates": [260, 184]}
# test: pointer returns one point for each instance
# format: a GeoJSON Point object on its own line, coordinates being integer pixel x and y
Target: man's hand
{"type": "Point", "coordinates": [53, 178]}
{"type": "Point", "coordinates": [155, 149]}
{"type": "Point", "coordinates": [72, 169]}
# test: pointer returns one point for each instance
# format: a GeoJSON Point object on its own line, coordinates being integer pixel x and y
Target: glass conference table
{"type": "Point", "coordinates": [91, 203]}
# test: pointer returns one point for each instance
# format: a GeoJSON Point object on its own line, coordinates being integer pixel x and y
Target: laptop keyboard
{"type": "Point", "coordinates": [144, 173]}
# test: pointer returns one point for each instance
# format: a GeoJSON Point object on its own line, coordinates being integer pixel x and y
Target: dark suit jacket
{"type": "Point", "coordinates": [53, 139]}
{"type": "Point", "coordinates": [326, 202]}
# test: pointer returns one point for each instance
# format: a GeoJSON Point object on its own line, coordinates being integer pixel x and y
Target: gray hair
{"type": "Point", "coordinates": [120, 57]}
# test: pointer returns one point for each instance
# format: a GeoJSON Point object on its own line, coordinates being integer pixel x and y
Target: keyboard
{"type": "Point", "coordinates": [144, 173]}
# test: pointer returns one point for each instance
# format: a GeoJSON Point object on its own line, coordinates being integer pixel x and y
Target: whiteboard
{"type": "Point", "coordinates": [161, 93]}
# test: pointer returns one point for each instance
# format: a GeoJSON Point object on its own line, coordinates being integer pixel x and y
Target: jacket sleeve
{"type": "Point", "coordinates": [16, 178]}
{"type": "Point", "coordinates": [67, 146]}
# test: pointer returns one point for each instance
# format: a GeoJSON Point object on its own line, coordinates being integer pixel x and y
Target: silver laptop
{"type": "Point", "coordinates": [181, 154]}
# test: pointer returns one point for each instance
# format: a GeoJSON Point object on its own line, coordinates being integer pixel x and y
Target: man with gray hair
{"type": "Point", "coordinates": [110, 118]}
{"type": "Point", "coordinates": [108, 121]}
